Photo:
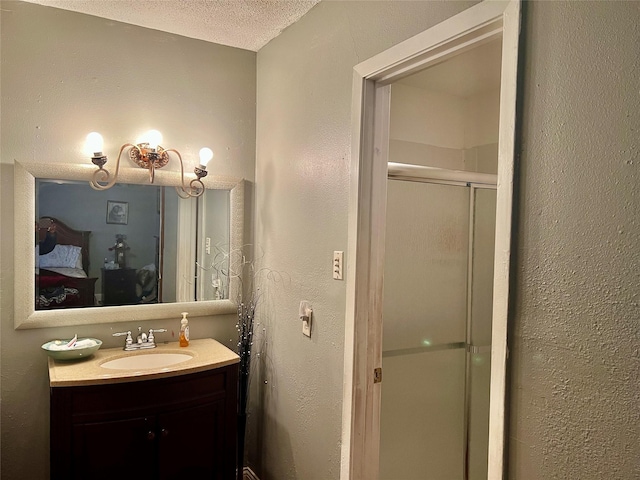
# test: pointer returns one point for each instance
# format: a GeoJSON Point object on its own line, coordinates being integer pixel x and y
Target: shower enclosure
{"type": "Point", "coordinates": [438, 289]}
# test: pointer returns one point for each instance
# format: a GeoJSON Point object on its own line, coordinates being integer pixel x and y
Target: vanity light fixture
{"type": "Point", "coordinates": [147, 153]}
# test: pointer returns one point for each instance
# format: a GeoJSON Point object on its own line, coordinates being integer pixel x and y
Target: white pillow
{"type": "Point", "coordinates": [78, 264]}
{"type": "Point", "coordinates": [62, 256]}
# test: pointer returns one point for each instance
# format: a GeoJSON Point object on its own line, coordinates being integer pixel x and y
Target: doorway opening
{"type": "Point", "coordinates": [375, 144]}
{"type": "Point", "coordinates": [438, 268]}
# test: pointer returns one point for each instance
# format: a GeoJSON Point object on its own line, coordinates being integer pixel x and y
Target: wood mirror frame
{"type": "Point", "coordinates": [25, 315]}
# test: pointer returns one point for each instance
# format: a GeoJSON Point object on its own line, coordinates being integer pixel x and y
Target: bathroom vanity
{"type": "Point", "coordinates": [145, 422]}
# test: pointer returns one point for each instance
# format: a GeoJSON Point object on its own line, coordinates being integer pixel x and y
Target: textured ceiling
{"type": "Point", "coordinates": [248, 24]}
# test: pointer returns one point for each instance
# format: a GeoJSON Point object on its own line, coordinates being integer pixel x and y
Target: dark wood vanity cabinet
{"type": "Point", "coordinates": [176, 428]}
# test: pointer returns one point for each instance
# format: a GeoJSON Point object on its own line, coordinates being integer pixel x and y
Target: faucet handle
{"type": "Point", "coordinates": [151, 337]}
{"type": "Point", "coordinates": [128, 340]}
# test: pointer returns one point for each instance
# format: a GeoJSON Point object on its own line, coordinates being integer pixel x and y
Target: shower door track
{"type": "Point", "coordinates": [420, 173]}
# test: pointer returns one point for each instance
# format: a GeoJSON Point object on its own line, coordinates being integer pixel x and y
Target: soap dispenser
{"type": "Point", "coordinates": [184, 330]}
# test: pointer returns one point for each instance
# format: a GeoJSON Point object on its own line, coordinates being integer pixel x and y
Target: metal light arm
{"type": "Point", "coordinates": [102, 174]}
{"type": "Point", "coordinates": [196, 187]}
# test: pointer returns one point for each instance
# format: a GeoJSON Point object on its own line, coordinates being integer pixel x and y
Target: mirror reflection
{"type": "Point", "coordinates": [196, 267]}
{"type": "Point", "coordinates": [122, 246]}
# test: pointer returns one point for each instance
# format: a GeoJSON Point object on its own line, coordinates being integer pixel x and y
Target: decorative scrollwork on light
{"type": "Point", "coordinates": [149, 156]}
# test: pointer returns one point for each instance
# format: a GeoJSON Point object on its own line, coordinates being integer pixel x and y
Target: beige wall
{"type": "Point", "coordinates": [419, 115]}
{"type": "Point", "coordinates": [63, 75]}
{"type": "Point", "coordinates": [574, 394]}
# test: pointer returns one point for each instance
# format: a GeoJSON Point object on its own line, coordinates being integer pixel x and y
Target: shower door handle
{"type": "Point", "coordinates": [478, 348]}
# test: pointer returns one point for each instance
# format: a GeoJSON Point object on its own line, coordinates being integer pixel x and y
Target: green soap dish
{"type": "Point", "coordinates": [56, 348]}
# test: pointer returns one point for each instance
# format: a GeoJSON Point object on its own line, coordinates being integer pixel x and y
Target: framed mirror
{"type": "Point", "coordinates": [147, 254]}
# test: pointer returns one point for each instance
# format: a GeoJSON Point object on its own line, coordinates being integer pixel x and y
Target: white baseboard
{"type": "Point", "coordinates": [247, 474]}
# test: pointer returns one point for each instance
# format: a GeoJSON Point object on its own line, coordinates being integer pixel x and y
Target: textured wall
{"type": "Point", "coordinates": [63, 75]}
{"type": "Point", "coordinates": [574, 394]}
{"type": "Point", "coordinates": [575, 399]}
{"type": "Point", "coordinates": [302, 178]}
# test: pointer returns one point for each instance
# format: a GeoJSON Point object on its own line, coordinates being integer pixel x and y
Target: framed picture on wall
{"type": "Point", "coordinates": [117, 212]}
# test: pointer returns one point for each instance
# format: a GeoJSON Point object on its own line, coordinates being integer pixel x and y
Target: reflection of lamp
{"type": "Point", "coordinates": [147, 153]}
{"type": "Point", "coordinates": [120, 248]}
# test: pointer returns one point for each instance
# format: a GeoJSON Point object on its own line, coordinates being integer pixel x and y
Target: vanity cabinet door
{"type": "Point", "coordinates": [122, 449]}
{"type": "Point", "coordinates": [191, 444]}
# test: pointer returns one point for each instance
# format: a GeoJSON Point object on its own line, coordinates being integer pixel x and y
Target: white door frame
{"type": "Point", "coordinates": [367, 205]}
{"type": "Point", "coordinates": [186, 246]}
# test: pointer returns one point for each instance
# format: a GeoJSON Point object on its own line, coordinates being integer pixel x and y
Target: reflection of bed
{"type": "Point", "coordinates": [58, 283]}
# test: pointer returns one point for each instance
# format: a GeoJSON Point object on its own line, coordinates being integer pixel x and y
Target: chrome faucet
{"type": "Point", "coordinates": [142, 337]}
{"type": "Point", "coordinates": [143, 340]}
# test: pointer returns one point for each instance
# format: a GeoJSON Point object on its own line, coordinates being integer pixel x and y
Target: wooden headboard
{"type": "Point", "coordinates": [66, 235]}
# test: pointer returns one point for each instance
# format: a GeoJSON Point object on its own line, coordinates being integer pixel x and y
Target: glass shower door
{"type": "Point", "coordinates": [479, 327]}
{"type": "Point", "coordinates": [434, 388]}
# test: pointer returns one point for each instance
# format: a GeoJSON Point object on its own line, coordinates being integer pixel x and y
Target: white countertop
{"type": "Point", "coordinates": [207, 354]}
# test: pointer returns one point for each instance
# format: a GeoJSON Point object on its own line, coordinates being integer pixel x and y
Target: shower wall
{"type": "Point", "coordinates": [438, 129]}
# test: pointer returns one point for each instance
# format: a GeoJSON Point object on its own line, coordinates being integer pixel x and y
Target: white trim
{"type": "Point", "coordinates": [478, 24]}
{"type": "Point", "coordinates": [422, 49]}
{"type": "Point", "coordinates": [25, 316]}
{"type": "Point", "coordinates": [502, 261]}
{"type": "Point", "coordinates": [186, 254]}
{"type": "Point", "coordinates": [353, 438]}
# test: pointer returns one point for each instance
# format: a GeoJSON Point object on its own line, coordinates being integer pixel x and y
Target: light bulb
{"type": "Point", "coordinates": [153, 138]}
{"type": "Point", "coordinates": [205, 155]}
{"type": "Point", "coordinates": [94, 144]}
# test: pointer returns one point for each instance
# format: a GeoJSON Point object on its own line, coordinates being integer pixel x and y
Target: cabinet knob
{"type": "Point", "coordinates": [151, 435]}
{"type": "Point", "coordinates": [164, 432]}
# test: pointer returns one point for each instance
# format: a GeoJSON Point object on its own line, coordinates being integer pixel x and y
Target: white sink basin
{"type": "Point", "coordinates": [146, 361]}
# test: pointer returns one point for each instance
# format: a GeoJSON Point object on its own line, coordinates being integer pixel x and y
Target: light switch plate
{"type": "Point", "coordinates": [338, 258]}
